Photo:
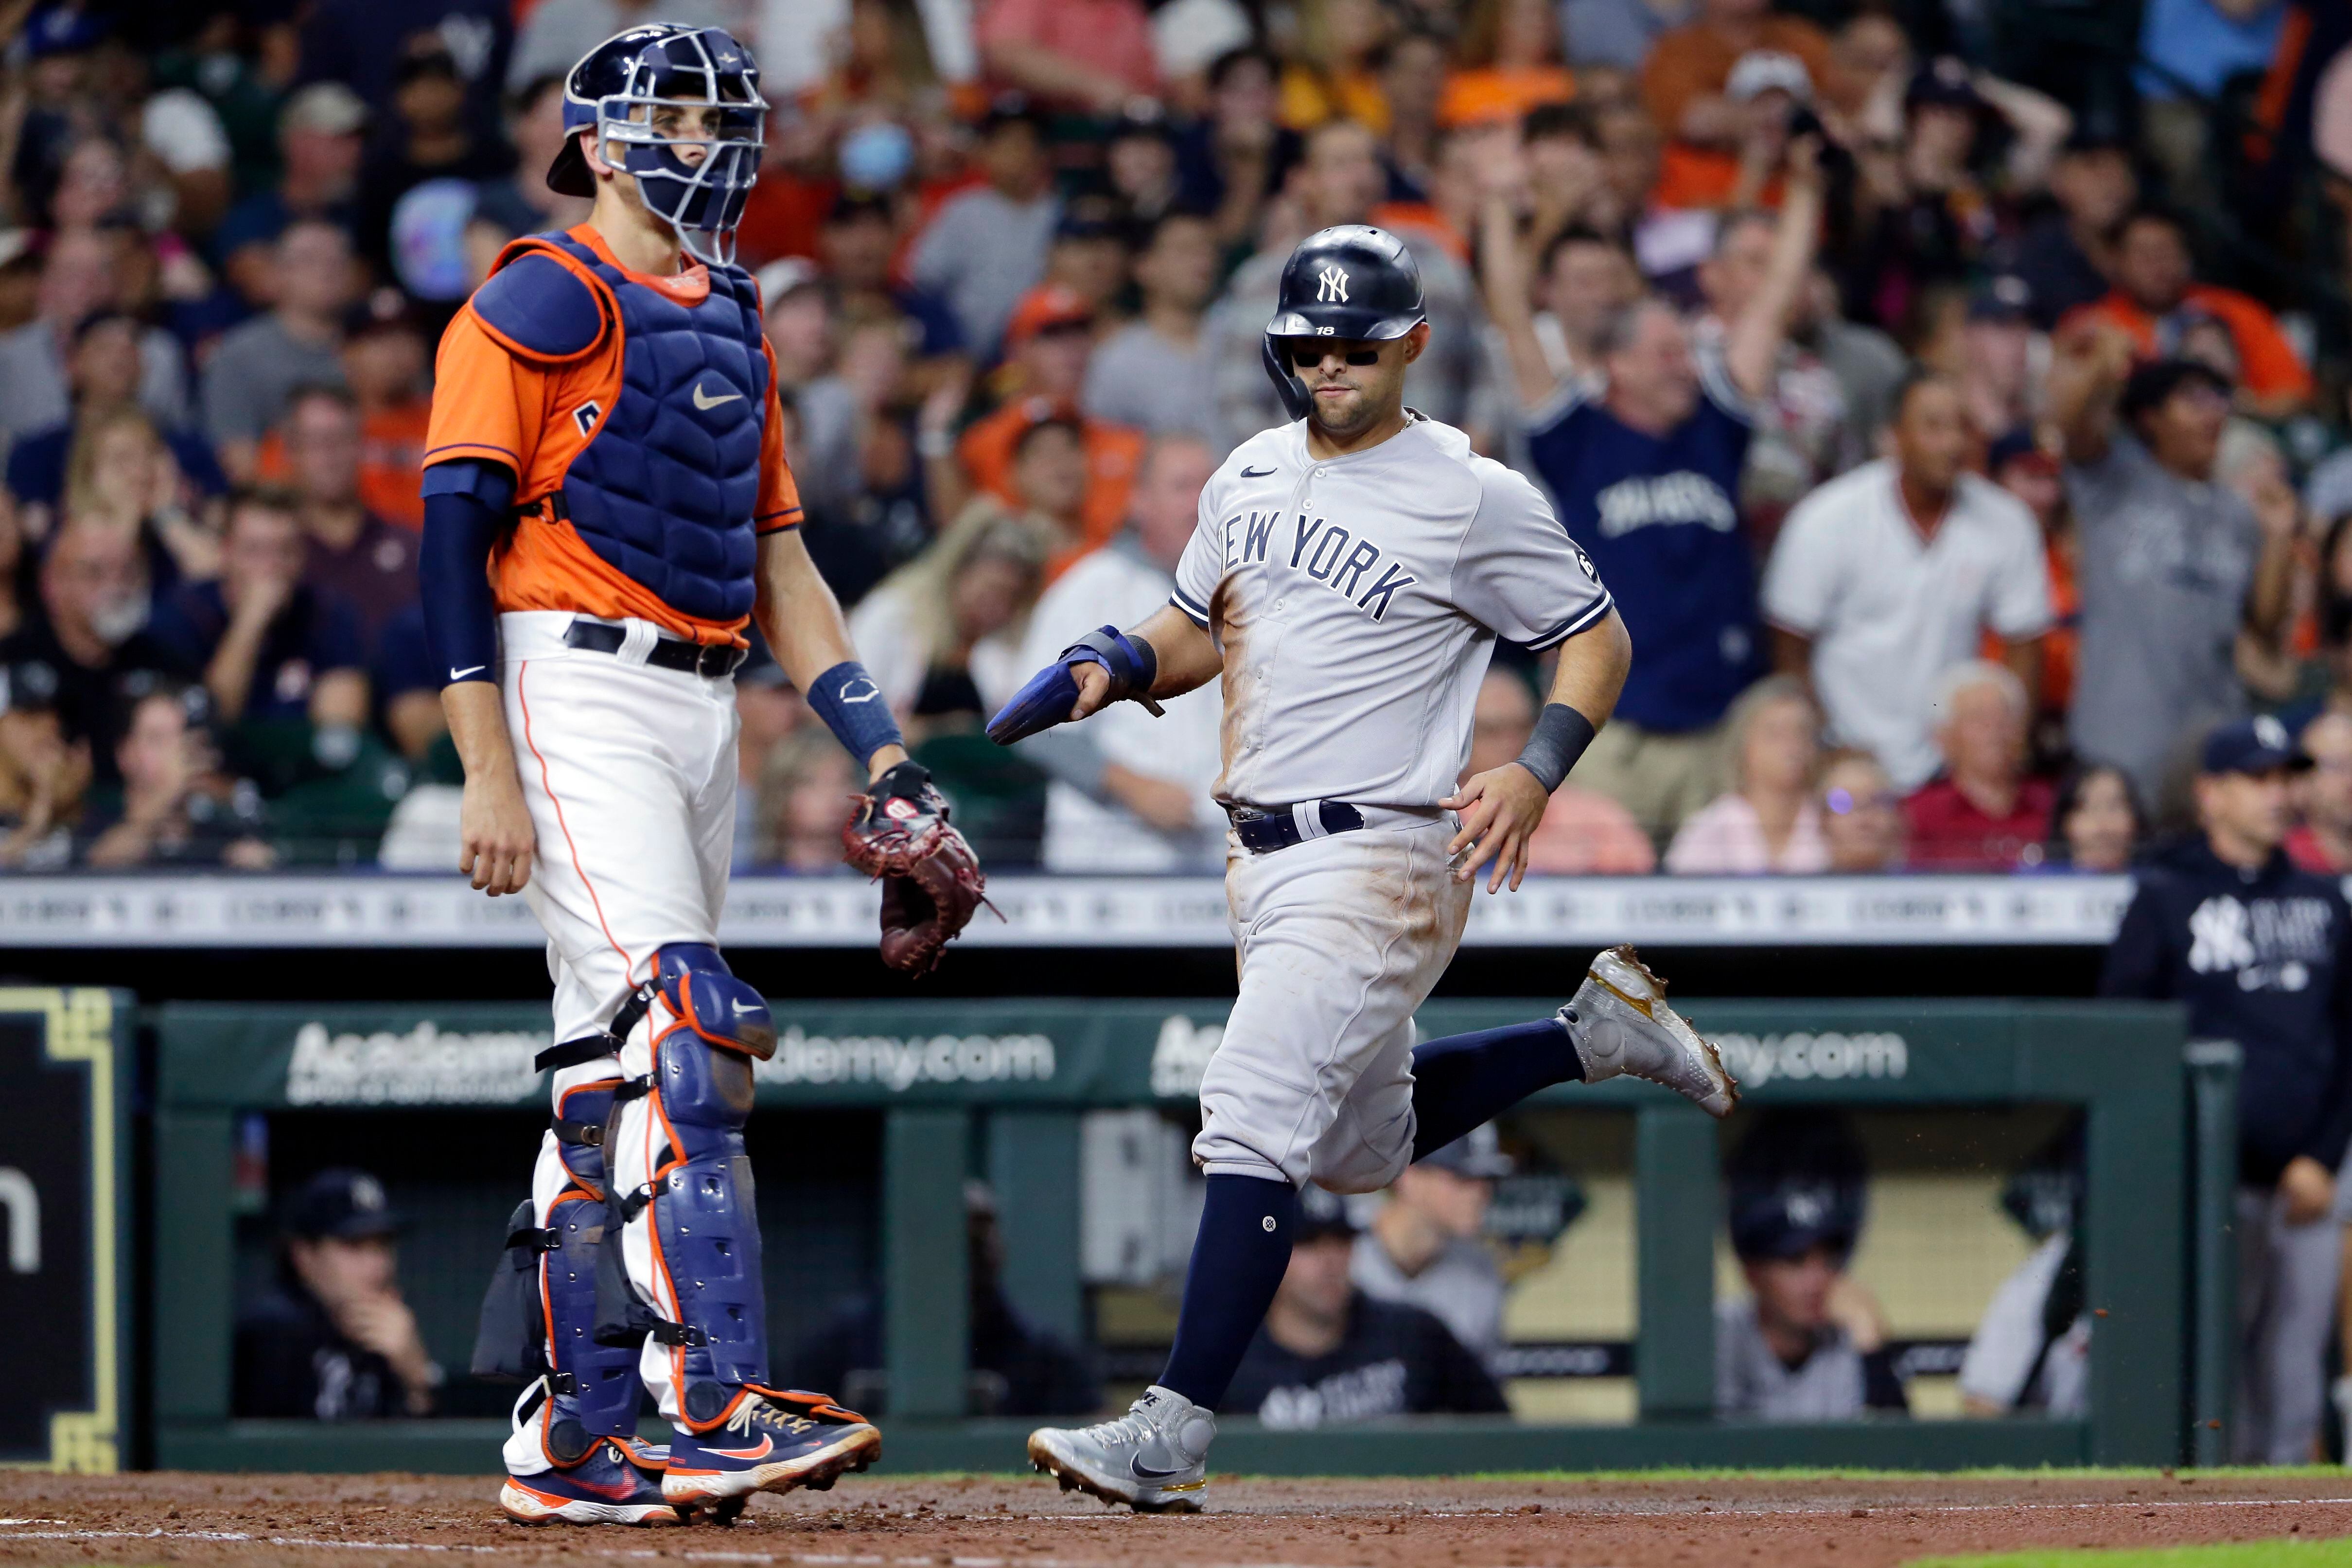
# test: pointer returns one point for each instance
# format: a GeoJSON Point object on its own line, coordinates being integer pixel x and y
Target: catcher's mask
{"type": "Point", "coordinates": [626, 86]}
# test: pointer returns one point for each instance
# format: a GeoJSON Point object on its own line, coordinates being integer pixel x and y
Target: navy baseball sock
{"type": "Point", "coordinates": [1238, 1259]}
{"type": "Point", "coordinates": [1460, 1080]}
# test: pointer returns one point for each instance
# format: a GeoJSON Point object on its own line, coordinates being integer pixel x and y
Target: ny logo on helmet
{"type": "Point", "coordinates": [1332, 284]}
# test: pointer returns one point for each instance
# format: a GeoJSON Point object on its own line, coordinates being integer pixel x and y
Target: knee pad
{"type": "Point", "coordinates": [706, 1222]}
{"type": "Point", "coordinates": [704, 996]}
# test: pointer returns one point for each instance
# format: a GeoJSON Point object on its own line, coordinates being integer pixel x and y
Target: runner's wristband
{"type": "Point", "coordinates": [1560, 737]}
{"type": "Point", "coordinates": [851, 705]}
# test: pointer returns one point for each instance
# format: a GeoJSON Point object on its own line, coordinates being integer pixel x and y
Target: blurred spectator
{"type": "Point", "coordinates": [1582, 832]}
{"type": "Point", "coordinates": [1568, 184]}
{"type": "Point", "coordinates": [1996, 369]}
{"type": "Point", "coordinates": [2256, 948]}
{"type": "Point", "coordinates": [1050, 344]}
{"type": "Point", "coordinates": [1981, 813]}
{"type": "Point", "coordinates": [1808, 1342]}
{"type": "Point", "coordinates": [807, 783]}
{"type": "Point", "coordinates": [2157, 296]}
{"type": "Point", "coordinates": [1131, 794]}
{"type": "Point", "coordinates": [1330, 1353]}
{"type": "Point", "coordinates": [1154, 375]}
{"type": "Point", "coordinates": [1412, 67]}
{"type": "Point", "coordinates": [175, 807]}
{"type": "Point", "coordinates": [320, 141]}
{"type": "Point", "coordinates": [1862, 815]}
{"type": "Point", "coordinates": [943, 634]}
{"type": "Point", "coordinates": [985, 246]}
{"type": "Point", "coordinates": [1685, 82]}
{"type": "Point", "coordinates": [255, 367]}
{"type": "Point", "coordinates": [2032, 1348]}
{"type": "Point", "coordinates": [2172, 567]}
{"type": "Point", "coordinates": [334, 1339]}
{"type": "Point", "coordinates": [1331, 72]}
{"type": "Point", "coordinates": [767, 711]}
{"type": "Point", "coordinates": [270, 646]}
{"type": "Point", "coordinates": [1424, 1246]}
{"type": "Point", "coordinates": [409, 221]}
{"type": "Point", "coordinates": [119, 476]}
{"type": "Point", "coordinates": [1870, 367]}
{"type": "Point", "coordinates": [554, 34]}
{"type": "Point", "coordinates": [361, 43]}
{"type": "Point", "coordinates": [2064, 258]}
{"type": "Point", "coordinates": [1088, 256]}
{"type": "Point", "coordinates": [1888, 577]}
{"type": "Point", "coordinates": [102, 371]}
{"type": "Point", "coordinates": [1089, 54]}
{"type": "Point", "coordinates": [1234, 161]}
{"type": "Point", "coordinates": [43, 774]}
{"type": "Point", "coordinates": [1016, 1368]}
{"type": "Point", "coordinates": [78, 277]}
{"type": "Point", "coordinates": [1189, 38]}
{"type": "Point", "coordinates": [1619, 33]}
{"type": "Point", "coordinates": [1509, 61]}
{"type": "Point", "coordinates": [1140, 166]}
{"type": "Point", "coordinates": [1770, 819]}
{"type": "Point", "coordinates": [2322, 841]}
{"type": "Point", "coordinates": [385, 363]}
{"type": "Point", "coordinates": [1803, 435]}
{"type": "Point", "coordinates": [2095, 823]}
{"type": "Point", "coordinates": [519, 201]}
{"type": "Point", "coordinates": [353, 555]}
{"type": "Point", "coordinates": [1643, 476]}
{"type": "Point", "coordinates": [1584, 281]}
{"type": "Point", "coordinates": [15, 570]}
{"type": "Point", "coordinates": [2018, 463]}
{"type": "Point", "coordinates": [89, 636]}
{"type": "Point", "coordinates": [2190, 50]}
{"type": "Point", "coordinates": [407, 686]}
{"type": "Point", "coordinates": [859, 236]}
{"type": "Point", "coordinates": [1339, 180]}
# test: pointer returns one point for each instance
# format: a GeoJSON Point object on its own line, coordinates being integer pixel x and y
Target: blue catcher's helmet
{"type": "Point", "coordinates": [620, 86]}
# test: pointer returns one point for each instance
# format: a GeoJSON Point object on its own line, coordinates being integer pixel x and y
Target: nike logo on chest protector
{"type": "Point", "coordinates": [705, 402]}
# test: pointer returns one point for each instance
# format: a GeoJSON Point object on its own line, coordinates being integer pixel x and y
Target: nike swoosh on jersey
{"type": "Point", "coordinates": [469, 669]}
{"type": "Point", "coordinates": [1254, 474]}
{"type": "Point", "coordinates": [705, 402]}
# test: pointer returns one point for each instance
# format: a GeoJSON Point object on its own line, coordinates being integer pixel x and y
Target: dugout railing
{"type": "Point", "coordinates": [2160, 1166]}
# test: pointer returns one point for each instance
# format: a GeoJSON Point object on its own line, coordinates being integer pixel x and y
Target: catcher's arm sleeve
{"type": "Point", "coordinates": [465, 510]}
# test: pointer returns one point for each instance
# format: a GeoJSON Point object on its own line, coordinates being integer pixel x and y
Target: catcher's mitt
{"type": "Point", "coordinates": [931, 881]}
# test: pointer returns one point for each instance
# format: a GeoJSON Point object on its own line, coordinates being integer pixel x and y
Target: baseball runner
{"type": "Point", "coordinates": [1348, 578]}
{"type": "Point", "coordinates": [607, 508]}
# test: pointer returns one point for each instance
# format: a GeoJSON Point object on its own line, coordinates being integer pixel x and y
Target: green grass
{"type": "Point", "coordinates": [2291, 1552]}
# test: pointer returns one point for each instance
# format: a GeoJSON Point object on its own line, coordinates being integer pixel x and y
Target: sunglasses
{"type": "Point", "coordinates": [1307, 355]}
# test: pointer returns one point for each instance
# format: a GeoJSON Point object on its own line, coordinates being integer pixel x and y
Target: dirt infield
{"type": "Point", "coordinates": [995, 1522]}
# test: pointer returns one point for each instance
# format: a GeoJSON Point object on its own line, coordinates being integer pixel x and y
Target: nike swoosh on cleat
{"type": "Point", "coordinates": [705, 402]}
{"type": "Point", "coordinates": [1256, 473]}
{"type": "Point", "coordinates": [766, 1446]}
{"type": "Point", "coordinates": [1136, 1468]}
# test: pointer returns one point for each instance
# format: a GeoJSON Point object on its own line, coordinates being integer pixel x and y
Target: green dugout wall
{"type": "Point", "coordinates": [2160, 1151]}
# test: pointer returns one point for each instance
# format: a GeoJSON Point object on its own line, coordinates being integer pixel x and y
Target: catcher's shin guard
{"type": "Point", "coordinates": [594, 1384]}
{"type": "Point", "coordinates": [706, 1230]}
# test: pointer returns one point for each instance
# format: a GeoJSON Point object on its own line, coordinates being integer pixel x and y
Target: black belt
{"type": "Point", "coordinates": [713, 659]}
{"type": "Point", "coordinates": [1264, 830]}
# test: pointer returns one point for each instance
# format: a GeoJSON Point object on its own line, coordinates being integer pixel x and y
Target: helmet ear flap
{"type": "Point", "coordinates": [1295, 401]}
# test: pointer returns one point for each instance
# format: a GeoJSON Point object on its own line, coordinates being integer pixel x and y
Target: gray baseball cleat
{"type": "Point", "coordinates": [1621, 1023]}
{"type": "Point", "coordinates": [1154, 1458]}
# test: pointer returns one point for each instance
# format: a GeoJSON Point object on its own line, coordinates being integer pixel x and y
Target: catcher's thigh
{"type": "Point", "coordinates": [1341, 939]}
{"type": "Point", "coordinates": [629, 773]}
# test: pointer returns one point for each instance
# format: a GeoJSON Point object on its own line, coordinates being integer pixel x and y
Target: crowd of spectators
{"type": "Point", "coordinates": [1952, 483]}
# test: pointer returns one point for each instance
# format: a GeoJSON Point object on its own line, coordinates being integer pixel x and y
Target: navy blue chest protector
{"type": "Point", "coordinates": [666, 489]}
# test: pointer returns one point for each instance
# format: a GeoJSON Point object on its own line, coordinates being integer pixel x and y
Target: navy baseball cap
{"type": "Point", "coordinates": [2256, 746]}
{"type": "Point", "coordinates": [346, 1204]}
{"type": "Point", "coordinates": [1477, 1155]}
{"type": "Point", "coordinates": [1320, 1214]}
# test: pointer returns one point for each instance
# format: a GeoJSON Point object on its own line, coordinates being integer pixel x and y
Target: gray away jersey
{"type": "Point", "coordinates": [1357, 599]}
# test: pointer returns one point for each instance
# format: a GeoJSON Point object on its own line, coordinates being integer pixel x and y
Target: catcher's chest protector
{"type": "Point", "coordinates": [666, 489]}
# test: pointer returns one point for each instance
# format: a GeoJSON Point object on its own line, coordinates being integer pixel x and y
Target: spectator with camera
{"type": "Point", "coordinates": [174, 807]}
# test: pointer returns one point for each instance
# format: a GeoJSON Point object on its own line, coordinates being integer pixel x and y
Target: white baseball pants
{"type": "Point", "coordinates": [630, 774]}
{"type": "Point", "coordinates": [1339, 940]}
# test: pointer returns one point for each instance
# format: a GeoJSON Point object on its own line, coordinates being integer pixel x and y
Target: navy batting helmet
{"type": "Point", "coordinates": [621, 88]}
{"type": "Point", "coordinates": [1355, 282]}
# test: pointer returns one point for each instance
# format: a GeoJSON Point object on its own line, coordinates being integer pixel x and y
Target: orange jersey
{"type": "Point", "coordinates": [493, 403]}
{"type": "Point", "coordinates": [1112, 453]}
{"type": "Point", "coordinates": [2267, 362]}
